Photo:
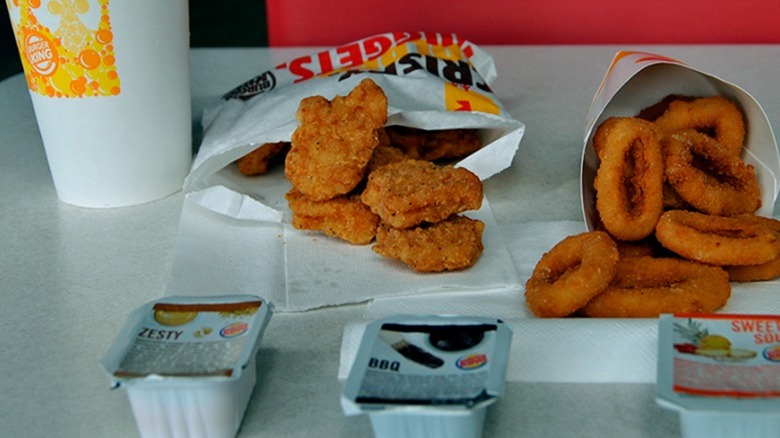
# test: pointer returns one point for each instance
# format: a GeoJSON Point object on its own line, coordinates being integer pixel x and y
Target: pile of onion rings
{"type": "Point", "coordinates": [586, 275]}
{"type": "Point", "coordinates": [704, 177]}
{"type": "Point", "coordinates": [682, 154]}
{"type": "Point", "coordinates": [677, 200]}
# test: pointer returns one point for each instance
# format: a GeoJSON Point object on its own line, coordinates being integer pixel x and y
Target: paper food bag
{"type": "Point", "coordinates": [432, 81]}
{"type": "Point", "coordinates": [235, 233]}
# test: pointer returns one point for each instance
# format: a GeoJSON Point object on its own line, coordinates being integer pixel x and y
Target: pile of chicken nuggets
{"type": "Point", "coordinates": [357, 180]}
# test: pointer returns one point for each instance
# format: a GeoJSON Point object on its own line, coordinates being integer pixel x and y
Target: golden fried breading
{"type": "Point", "coordinates": [450, 245]}
{"type": "Point", "coordinates": [384, 155]}
{"type": "Point", "coordinates": [259, 160]}
{"type": "Point", "coordinates": [410, 192]}
{"type": "Point", "coordinates": [335, 141]}
{"type": "Point", "coordinates": [444, 144]}
{"type": "Point", "coordinates": [344, 217]}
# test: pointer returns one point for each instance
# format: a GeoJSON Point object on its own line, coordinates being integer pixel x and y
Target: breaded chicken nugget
{"type": "Point", "coordinates": [411, 192]}
{"type": "Point", "coordinates": [444, 144]}
{"type": "Point", "coordinates": [259, 160]}
{"type": "Point", "coordinates": [344, 217]}
{"type": "Point", "coordinates": [335, 141]}
{"type": "Point", "coordinates": [450, 245]}
{"type": "Point", "coordinates": [384, 155]}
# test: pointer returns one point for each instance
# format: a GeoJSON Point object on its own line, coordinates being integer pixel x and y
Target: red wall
{"type": "Point", "coordinates": [485, 22]}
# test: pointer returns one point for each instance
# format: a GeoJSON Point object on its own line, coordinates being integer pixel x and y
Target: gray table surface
{"type": "Point", "coordinates": [69, 276]}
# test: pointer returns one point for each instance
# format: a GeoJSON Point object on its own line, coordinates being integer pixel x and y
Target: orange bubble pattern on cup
{"type": "Point", "coordinates": [70, 60]}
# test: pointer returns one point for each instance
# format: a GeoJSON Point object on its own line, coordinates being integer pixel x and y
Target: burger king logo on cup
{"type": "Point", "coordinates": [66, 47]}
{"type": "Point", "coordinates": [40, 53]}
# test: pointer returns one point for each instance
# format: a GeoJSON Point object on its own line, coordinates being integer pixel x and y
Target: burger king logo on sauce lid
{"type": "Point", "coordinates": [233, 330]}
{"type": "Point", "coordinates": [772, 353]}
{"type": "Point", "coordinates": [471, 361]}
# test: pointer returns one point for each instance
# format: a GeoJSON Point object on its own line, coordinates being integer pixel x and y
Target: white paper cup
{"type": "Point", "coordinates": [109, 82]}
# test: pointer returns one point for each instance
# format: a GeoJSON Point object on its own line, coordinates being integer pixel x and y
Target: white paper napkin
{"type": "Point", "coordinates": [555, 350]}
{"type": "Point", "coordinates": [219, 251]}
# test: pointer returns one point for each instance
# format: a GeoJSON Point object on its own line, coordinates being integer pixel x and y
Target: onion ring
{"type": "Point", "coordinates": [645, 287]}
{"type": "Point", "coordinates": [672, 200]}
{"type": "Point", "coordinates": [629, 180]}
{"type": "Point", "coordinates": [763, 271]}
{"type": "Point", "coordinates": [645, 247]}
{"type": "Point", "coordinates": [716, 240]}
{"type": "Point", "coordinates": [657, 109]}
{"type": "Point", "coordinates": [574, 271]}
{"type": "Point", "coordinates": [708, 177]}
{"type": "Point", "coordinates": [713, 115]}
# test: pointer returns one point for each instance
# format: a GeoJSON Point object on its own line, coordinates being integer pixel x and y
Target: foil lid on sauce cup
{"type": "Point", "coordinates": [428, 375]}
{"type": "Point", "coordinates": [638, 80]}
{"type": "Point", "coordinates": [721, 373]}
{"type": "Point", "coordinates": [188, 363]}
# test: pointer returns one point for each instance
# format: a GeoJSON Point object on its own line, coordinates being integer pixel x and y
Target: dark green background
{"type": "Point", "coordinates": [220, 23]}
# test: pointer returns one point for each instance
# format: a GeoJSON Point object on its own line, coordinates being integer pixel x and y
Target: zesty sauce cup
{"type": "Point", "coordinates": [109, 82]}
{"type": "Point", "coordinates": [189, 363]}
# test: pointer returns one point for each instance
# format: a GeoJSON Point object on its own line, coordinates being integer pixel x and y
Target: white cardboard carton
{"type": "Point", "coordinates": [636, 80]}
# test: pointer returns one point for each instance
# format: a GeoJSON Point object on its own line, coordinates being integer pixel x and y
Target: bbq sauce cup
{"type": "Point", "coordinates": [428, 375]}
{"type": "Point", "coordinates": [638, 80]}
